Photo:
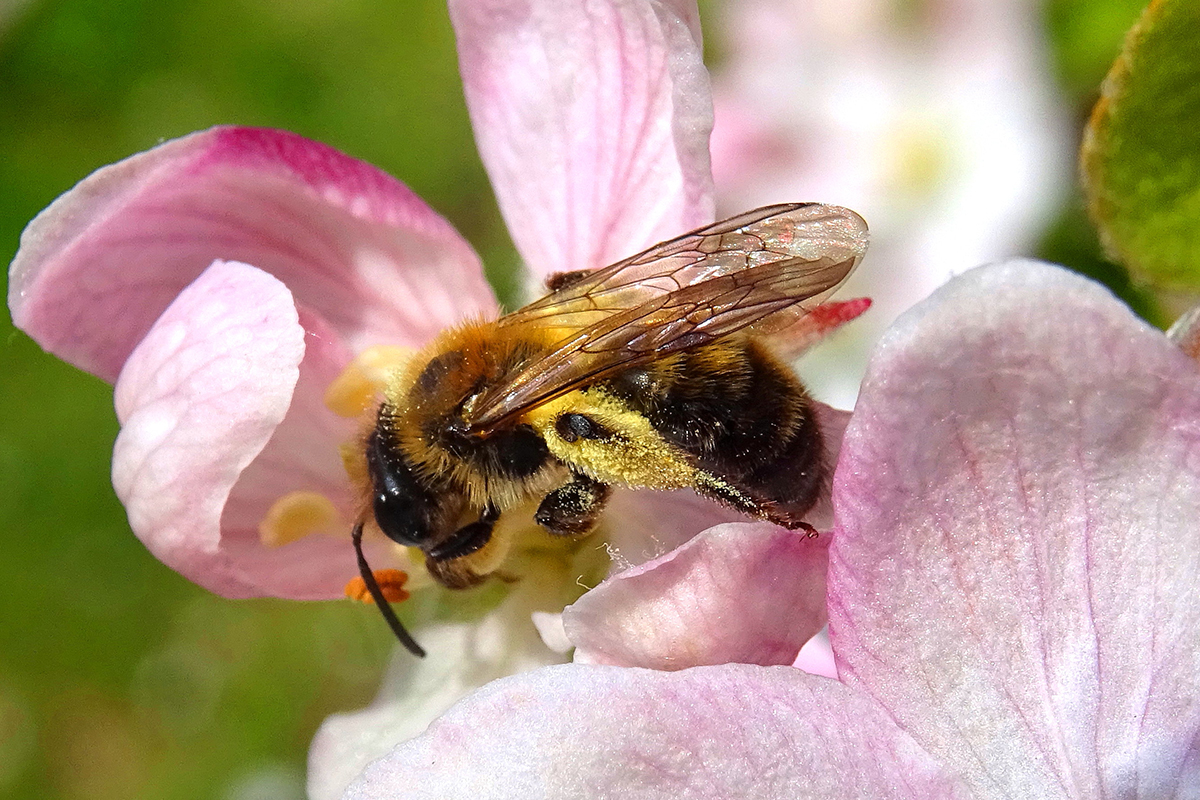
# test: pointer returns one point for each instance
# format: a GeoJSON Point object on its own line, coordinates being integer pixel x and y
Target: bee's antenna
{"type": "Point", "coordinates": [385, 607]}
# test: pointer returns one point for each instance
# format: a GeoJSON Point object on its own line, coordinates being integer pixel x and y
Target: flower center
{"type": "Point", "coordinates": [921, 159]}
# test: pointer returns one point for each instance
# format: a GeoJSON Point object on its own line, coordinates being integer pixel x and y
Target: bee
{"type": "Point", "coordinates": [655, 372]}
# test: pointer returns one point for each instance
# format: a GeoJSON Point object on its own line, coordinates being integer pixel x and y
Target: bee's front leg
{"type": "Point", "coordinates": [468, 538]}
{"type": "Point", "coordinates": [449, 562]}
{"type": "Point", "coordinates": [573, 508]}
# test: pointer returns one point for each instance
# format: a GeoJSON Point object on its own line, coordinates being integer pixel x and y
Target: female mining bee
{"type": "Point", "coordinates": [656, 372]}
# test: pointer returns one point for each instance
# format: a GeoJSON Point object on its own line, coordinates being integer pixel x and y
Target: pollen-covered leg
{"type": "Point", "coordinates": [573, 508]}
{"type": "Point", "coordinates": [787, 516]}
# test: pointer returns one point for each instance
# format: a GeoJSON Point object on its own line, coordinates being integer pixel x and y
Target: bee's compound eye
{"type": "Point", "coordinates": [572, 427]}
{"type": "Point", "coordinates": [402, 506]}
{"type": "Point", "coordinates": [399, 518]}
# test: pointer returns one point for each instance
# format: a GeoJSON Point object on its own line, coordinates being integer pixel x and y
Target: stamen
{"type": "Point", "coordinates": [297, 515]}
{"type": "Point", "coordinates": [358, 388]}
{"type": "Point", "coordinates": [391, 583]}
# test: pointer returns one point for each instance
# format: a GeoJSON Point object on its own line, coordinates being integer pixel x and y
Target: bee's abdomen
{"type": "Point", "coordinates": [743, 416]}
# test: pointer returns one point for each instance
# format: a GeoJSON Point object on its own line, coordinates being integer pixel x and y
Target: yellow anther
{"type": "Point", "coordinates": [391, 583]}
{"type": "Point", "coordinates": [354, 459]}
{"type": "Point", "coordinates": [361, 382]}
{"type": "Point", "coordinates": [297, 515]}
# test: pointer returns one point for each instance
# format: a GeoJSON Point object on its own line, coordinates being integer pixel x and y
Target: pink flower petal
{"type": "Point", "coordinates": [817, 657]}
{"type": "Point", "coordinates": [98, 266]}
{"type": "Point", "coordinates": [592, 119]}
{"type": "Point", "coordinates": [641, 525]}
{"type": "Point", "coordinates": [1185, 333]}
{"type": "Point", "coordinates": [579, 731]}
{"type": "Point", "coordinates": [750, 593]}
{"type": "Point", "coordinates": [303, 455]}
{"type": "Point", "coordinates": [1014, 568]}
{"type": "Point", "coordinates": [198, 400]}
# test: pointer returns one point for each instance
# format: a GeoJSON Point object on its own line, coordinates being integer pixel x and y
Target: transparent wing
{"type": "Point", "coordinates": [680, 294]}
{"type": "Point", "coordinates": [806, 231]}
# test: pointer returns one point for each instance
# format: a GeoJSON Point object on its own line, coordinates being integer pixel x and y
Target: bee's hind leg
{"type": "Point", "coordinates": [573, 508]}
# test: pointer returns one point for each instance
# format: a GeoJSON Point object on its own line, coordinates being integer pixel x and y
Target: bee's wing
{"type": "Point", "coordinates": [677, 295]}
{"type": "Point", "coordinates": [806, 231]}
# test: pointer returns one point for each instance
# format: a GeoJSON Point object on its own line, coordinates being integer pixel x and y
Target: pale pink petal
{"type": "Point", "coordinates": [832, 422]}
{"type": "Point", "coordinates": [748, 593]}
{"type": "Point", "coordinates": [641, 525]}
{"type": "Point", "coordinates": [592, 119]}
{"type": "Point", "coordinates": [816, 656]}
{"type": "Point", "coordinates": [199, 398]}
{"type": "Point", "coordinates": [303, 455]}
{"type": "Point", "coordinates": [1013, 573]}
{"type": "Point", "coordinates": [98, 266]}
{"type": "Point", "coordinates": [550, 628]}
{"type": "Point", "coordinates": [462, 656]}
{"type": "Point", "coordinates": [732, 731]}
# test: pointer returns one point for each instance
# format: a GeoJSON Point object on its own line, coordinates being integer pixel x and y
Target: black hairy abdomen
{"type": "Point", "coordinates": [742, 415]}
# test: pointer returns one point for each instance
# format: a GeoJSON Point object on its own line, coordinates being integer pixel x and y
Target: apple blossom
{"type": "Point", "coordinates": [245, 287]}
{"type": "Point", "coordinates": [1011, 592]}
{"type": "Point", "coordinates": [246, 290]}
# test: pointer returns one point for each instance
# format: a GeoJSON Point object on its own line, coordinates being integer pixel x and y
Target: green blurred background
{"type": "Point", "coordinates": [119, 679]}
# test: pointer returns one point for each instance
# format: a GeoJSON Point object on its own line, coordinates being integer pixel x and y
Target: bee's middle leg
{"type": "Point", "coordinates": [573, 508]}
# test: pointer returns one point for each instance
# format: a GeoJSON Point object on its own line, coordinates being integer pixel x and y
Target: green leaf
{"type": "Point", "coordinates": [1141, 149]}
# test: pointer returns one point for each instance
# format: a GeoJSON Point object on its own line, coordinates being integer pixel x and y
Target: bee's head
{"type": "Point", "coordinates": [408, 509]}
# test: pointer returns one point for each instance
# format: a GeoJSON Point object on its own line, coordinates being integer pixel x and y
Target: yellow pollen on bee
{"type": "Point", "coordinates": [297, 515]}
{"type": "Point", "coordinates": [391, 583]}
{"type": "Point", "coordinates": [359, 385]}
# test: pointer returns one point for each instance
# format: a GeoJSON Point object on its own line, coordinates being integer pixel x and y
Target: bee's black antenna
{"type": "Point", "coordinates": [385, 607]}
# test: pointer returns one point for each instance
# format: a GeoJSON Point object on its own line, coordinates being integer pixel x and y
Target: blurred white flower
{"type": "Point", "coordinates": [936, 120]}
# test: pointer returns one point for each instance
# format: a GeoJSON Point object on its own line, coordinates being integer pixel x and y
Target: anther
{"type": "Point", "coordinates": [358, 387]}
{"type": "Point", "coordinates": [391, 582]}
{"type": "Point", "coordinates": [297, 515]}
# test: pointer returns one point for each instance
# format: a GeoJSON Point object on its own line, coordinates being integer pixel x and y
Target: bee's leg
{"type": "Point", "coordinates": [449, 562]}
{"type": "Point", "coordinates": [573, 508]}
{"type": "Point", "coordinates": [721, 491]}
{"type": "Point", "coordinates": [468, 538]}
{"type": "Point", "coordinates": [561, 280]}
